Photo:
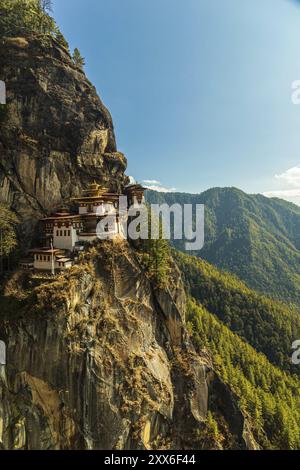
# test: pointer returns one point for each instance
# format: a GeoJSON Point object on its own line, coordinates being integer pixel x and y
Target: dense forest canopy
{"type": "Point", "coordinates": [8, 238]}
{"type": "Point", "coordinates": [269, 396]}
{"type": "Point", "coordinates": [269, 326]}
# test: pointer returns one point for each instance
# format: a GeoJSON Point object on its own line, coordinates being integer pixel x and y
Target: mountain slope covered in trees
{"type": "Point", "coordinates": [269, 396]}
{"type": "Point", "coordinates": [269, 326]}
{"type": "Point", "coordinates": [254, 237]}
{"type": "Point", "coordinates": [249, 338]}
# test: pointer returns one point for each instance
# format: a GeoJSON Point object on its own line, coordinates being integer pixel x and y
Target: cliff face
{"type": "Point", "coordinates": [56, 135]}
{"type": "Point", "coordinates": [98, 360]}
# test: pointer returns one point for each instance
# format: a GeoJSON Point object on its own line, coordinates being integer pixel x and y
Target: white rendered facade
{"type": "Point", "coordinates": [46, 261]}
{"type": "Point", "coordinates": [43, 262]}
{"type": "Point", "coordinates": [65, 237]}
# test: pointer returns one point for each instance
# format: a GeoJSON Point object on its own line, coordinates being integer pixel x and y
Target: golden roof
{"type": "Point", "coordinates": [94, 190]}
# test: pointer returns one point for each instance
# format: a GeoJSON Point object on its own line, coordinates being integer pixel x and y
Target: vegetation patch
{"type": "Point", "coordinates": [269, 396]}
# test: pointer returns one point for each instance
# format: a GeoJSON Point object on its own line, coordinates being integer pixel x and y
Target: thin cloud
{"type": "Point", "coordinates": [155, 182]}
{"type": "Point", "coordinates": [156, 185]}
{"type": "Point", "coordinates": [291, 176]}
{"type": "Point", "coordinates": [290, 182]}
{"type": "Point", "coordinates": [160, 189]}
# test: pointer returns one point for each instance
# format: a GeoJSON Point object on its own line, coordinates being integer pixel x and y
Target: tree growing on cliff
{"type": "Point", "coordinates": [78, 59]}
{"type": "Point", "coordinates": [8, 239]}
{"type": "Point", "coordinates": [46, 6]}
{"type": "Point", "coordinates": [155, 252]}
{"type": "Point", "coordinates": [26, 16]}
{"type": "Point", "coordinates": [158, 262]}
{"type": "Point", "coordinates": [21, 17]}
{"type": "Point", "coordinates": [44, 23]}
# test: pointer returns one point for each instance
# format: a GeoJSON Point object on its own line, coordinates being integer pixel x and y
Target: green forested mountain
{"type": "Point", "coordinates": [269, 326]}
{"type": "Point", "coordinates": [254, 237]}
{"type": "Point", "coordinates": [269, 396]}
{"type": "Point", "coordinates": [249, 338]}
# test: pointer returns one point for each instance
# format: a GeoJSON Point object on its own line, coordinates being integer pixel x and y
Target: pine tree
{"type": "Point", "coordinates": [159, 257]}
{"type": "Point", "coordinates": [8, 240]}
{"type": "Point", "coordinates": [155, 252]}
{"type": "Point", "coordinates": [78, 59]}
{"type": "Point", "coordinates": [212, 426]}
{"type": "Point", "coordinates": [46, 6]}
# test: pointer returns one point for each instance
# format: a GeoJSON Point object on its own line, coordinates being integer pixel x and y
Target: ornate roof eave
{"type": "Point", "coordinates": [61, 218]}
{"type": "Point", "coordinates": [103, 197]}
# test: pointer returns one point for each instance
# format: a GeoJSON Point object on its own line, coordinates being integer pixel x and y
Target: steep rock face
{"type": "Point", "coordinates": [96, 361]}
{"type": "Point", "coordinates": [55, 134]}
{"type": "Point", "coordinates": [97, 358]}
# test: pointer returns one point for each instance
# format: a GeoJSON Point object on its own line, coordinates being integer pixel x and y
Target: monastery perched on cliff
{"type": "Point", "coordinates": [64, 234]}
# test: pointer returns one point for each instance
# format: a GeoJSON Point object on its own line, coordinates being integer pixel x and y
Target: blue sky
{"type": "Point", "coordinates": [199, 90]}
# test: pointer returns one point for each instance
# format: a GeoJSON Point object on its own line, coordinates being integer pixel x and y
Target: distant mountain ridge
{"type": "Point", "coordinates": [251, 236]}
